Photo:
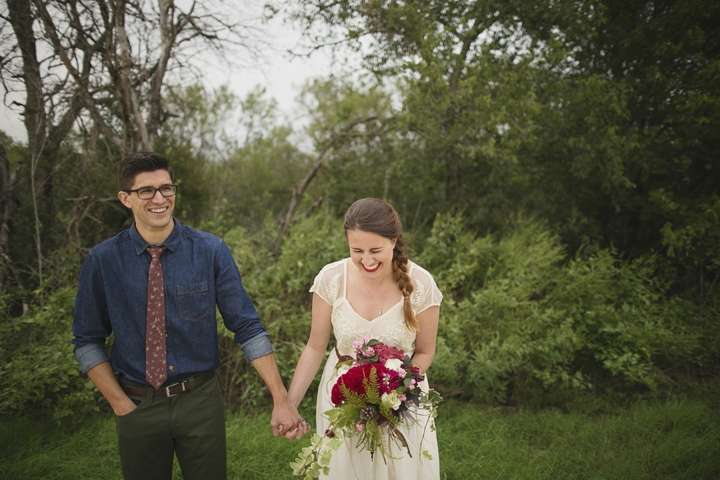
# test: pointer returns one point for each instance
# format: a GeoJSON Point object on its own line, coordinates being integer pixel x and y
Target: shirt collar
{"type": "Point", "coordinates": [171, 243]}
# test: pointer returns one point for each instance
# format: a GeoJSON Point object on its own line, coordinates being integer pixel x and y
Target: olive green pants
{"type": "Point", "coordinates": [190, 425]}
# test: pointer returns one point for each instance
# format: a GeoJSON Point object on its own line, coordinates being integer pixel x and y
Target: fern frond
{"type": "Point", "coordinates": [354, 398]}
{"type": "Point", "coordinates": [372, 387]}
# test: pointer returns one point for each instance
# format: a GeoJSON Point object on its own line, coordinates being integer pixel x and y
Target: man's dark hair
{"type": "Point", "coordinates": [139, 162]}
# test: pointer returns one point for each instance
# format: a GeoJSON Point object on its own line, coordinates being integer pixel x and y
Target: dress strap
{"type": "Point", "coordinates": [345, 279]}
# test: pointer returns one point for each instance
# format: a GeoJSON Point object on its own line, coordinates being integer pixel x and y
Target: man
{"type": "Point", "coordinates": [155, 287]}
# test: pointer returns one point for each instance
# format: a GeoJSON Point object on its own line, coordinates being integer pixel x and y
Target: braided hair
{"type": "Point", "coordinates": [376, 216]}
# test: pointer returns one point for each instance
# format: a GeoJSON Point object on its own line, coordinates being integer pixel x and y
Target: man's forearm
{"type": "Point", "coordinates": [268, 371]}
{"type": "Point", "coordinates": [285, 418]}
{"type": "Point", "coordinates": [102, 376]}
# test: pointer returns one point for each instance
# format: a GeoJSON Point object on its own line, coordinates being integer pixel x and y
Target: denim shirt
{"type": "Point", "coordinates": [199, 273]}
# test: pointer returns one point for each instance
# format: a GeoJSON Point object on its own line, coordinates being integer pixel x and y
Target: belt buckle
{"type": "Point", "coordinates": [167, 389]}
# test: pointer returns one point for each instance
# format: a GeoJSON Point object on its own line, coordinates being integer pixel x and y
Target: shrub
{"type": "Point", "coordinates": [530, 321]}
{"type": "Point", "coordinates": [279, 288]}
{"type": "Point", "coordinates": [519, 322]}
{"type": "Point", "coordinates": [41, 372]}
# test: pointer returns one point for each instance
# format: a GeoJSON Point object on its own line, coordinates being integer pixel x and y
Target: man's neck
{"type": "Point", "coordinates": [156, 237]}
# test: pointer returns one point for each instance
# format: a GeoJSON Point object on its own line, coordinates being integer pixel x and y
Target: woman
{"type": "Point", "coordinates": [376, 293]}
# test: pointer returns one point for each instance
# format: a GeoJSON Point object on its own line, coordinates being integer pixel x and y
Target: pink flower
{"type": "Point", "coordinates": [359, 344]}
{"type": "Point", "coordinates": [386, 352]}
{"type": "Point", "coordinates": [359, 426]}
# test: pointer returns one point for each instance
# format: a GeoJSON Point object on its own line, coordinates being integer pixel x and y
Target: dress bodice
{"type": "Point", "coordinates": [389, 328]}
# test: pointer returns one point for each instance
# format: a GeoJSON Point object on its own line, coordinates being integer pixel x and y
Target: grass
{"type": "Point", "coordinates": [653, 439]}
{"type": "Point", "coordinates": [668, 440]}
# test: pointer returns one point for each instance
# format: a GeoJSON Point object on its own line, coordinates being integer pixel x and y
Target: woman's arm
{"type": "Point", "coordinates": [426, 337]}
{"type": "Point", "coordinates": [314, 351]}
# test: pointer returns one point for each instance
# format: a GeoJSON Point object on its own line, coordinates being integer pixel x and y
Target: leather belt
{"type": "Point", "coordinates": [169, 390]}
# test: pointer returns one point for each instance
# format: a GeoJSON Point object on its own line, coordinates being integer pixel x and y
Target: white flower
{"type": "Point", "coordinates": [394, 364]}
{"type": "Point", "coordinates": [392, 399]}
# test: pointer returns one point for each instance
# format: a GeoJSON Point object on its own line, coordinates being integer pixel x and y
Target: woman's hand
{"type": "Point", "coordinates": [297, 433]}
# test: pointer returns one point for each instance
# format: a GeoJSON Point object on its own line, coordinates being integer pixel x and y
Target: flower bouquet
{"type": "Point", "coordinates": [373, 395]}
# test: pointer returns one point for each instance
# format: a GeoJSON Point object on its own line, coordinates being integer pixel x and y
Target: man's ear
{"type": "Point", "coordinates": [124, 198]}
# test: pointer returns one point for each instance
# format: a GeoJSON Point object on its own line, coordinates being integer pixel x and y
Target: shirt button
{"type": "Point", "coordinates": [170, 367]}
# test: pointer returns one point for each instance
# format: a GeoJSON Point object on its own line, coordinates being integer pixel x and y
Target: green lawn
{"type": "Point", "coordinates": [677, 438]}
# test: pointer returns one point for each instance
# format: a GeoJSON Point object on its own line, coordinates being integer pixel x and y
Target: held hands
{"type": "Point", "coordinates": [287, 421]}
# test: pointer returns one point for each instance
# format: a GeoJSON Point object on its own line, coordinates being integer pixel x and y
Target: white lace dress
{"type": "Point", "coordinates": [349, 462]}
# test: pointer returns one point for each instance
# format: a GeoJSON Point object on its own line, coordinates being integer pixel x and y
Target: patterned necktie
{"type": "Point", "coordinates": [155, 355]}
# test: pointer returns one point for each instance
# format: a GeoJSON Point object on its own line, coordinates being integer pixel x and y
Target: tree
{"type": "Point", "coordinates": [250, 161]}
{"type": "Point", "coordinates": [348, 127]}
{"type": "Point", "coordinates": [661, 61]}
{"type": "Point", "coordinates": [598, 115]}
{"type": "Point", "coordinates": [101, 67]}
{"type": "Point", "coordinates": [468, 96]}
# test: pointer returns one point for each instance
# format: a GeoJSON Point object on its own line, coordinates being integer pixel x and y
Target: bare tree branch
{"type": "Point", "coordinates": [80, 82]}
{"type": "Point", "coordinates": [299, 189]}
{"type": "Point", "coordinates": [7, 203]}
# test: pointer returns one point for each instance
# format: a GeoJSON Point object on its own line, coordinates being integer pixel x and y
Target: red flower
{"type": "Point", "coordinates": [354, 380]}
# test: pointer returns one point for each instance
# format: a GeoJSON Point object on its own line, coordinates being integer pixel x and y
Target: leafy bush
{"type": "Point", "coordinates": [40, 371]}
{"type": "Point", "coordinates": [279, 288]}
{"type": "Point", "coordinates": [530, 322]}
{"type": "Point", "coordinates": [520, 322]}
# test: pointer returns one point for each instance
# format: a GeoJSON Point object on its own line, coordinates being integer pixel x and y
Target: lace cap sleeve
{"type": "Point", "coordinates": [329, 284]}
{"type": "Point", "coordinates": [425, 294]}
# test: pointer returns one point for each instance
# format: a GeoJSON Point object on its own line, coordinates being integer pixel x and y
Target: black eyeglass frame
{"type": "Point", "coordinates": [155, 190]}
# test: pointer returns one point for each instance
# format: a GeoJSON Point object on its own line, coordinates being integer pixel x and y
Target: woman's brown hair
{"type": "Point", "coordinates": [376, 216]}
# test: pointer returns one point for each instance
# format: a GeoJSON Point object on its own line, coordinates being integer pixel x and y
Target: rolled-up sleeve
{"type": "Point", "coordinates": [257, 347]}
{"type": "Point", "coordinates": [90, 355]}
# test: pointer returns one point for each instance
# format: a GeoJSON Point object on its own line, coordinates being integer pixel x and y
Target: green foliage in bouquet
{"type": "Point", "coordinates": [315, 458]}
{"type": "Point", "coordinates": [365, 407]}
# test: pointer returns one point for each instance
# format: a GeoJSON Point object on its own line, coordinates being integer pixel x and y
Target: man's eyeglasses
{"type": "Point", "coordinates": [146, 193]}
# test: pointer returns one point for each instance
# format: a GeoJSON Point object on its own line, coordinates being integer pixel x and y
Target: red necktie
{"type": "Point", "coordinates": [155, 355]}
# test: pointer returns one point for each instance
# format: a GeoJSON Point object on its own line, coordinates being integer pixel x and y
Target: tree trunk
{"type": "Point", "coordinates": [40, 163]}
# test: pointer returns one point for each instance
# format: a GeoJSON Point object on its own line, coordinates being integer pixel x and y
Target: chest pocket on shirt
{"type": "Point", "coordinates": [194, 300]}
